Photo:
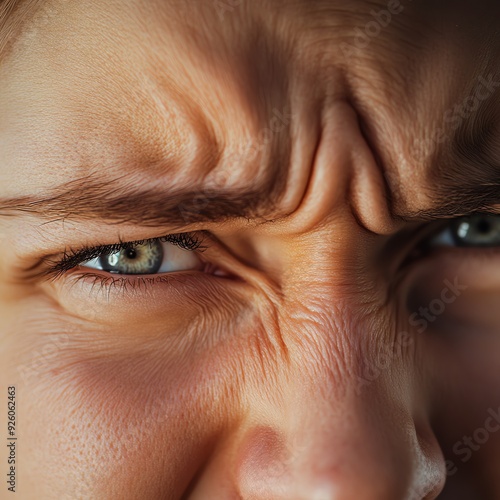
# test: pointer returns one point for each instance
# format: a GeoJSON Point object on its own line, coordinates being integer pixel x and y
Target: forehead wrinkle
{"type": "Point", "coordinates": [427, 109]}
{"type": "Point", "coordinates": [202, 144]}
{"type": "Point", "coordinates": [126, 121]}
{"type": "Point", "coordinates": [148, 145]}
{"type": "Point", "coordinates": [167, 129]}
{"type": "Point", "coordinates": [133, 103]}
{"type": "Point", "coordinates": [249, 83]}
{"type": "Point", "coordinates": [466, 177]}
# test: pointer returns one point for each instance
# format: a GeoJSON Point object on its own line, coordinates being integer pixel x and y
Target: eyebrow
{"type": "Point", "coordinates": [466, 180]}
{"type": "Point", "coordinates": [466, 177]}
{"type": "Point", "coordinates": [471, 183]}
{"type": "Point", "coordinates": [85, 199]}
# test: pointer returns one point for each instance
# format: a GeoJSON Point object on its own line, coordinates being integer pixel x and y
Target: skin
{"type": "Point", "coordinates": [266, 382]}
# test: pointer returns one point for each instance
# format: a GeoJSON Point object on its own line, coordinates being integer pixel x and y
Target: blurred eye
{"type": "Point", "coordinates": [150, 257]}
{"type": "Point", "coordinates": [479, 230]}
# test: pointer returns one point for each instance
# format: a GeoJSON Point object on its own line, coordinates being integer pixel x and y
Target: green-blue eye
{"type": "Point", "coordinates": [480, 230]}
{"type": "Point", "coordinates": [140, 259]}
{"type": "Point", "coordinates": [146, 258]}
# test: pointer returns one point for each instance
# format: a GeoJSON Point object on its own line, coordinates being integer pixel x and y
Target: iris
{"type": "Point", "coordinates": [145, 258]}
{"type": "Point", "coordinates": [477, 230]}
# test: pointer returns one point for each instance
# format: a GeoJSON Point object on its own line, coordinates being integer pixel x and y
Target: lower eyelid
{"type": "Point", "coordinates": [106, 299]}
{"type": "Point", "coordinates": [100, 289]}
{"type": "Point", "coordinates": [106, 279]}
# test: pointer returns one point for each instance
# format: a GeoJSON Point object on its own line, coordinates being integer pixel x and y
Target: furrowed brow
{"type": "Point", "coordinates": [467, 174]}
{"type": "Point", "coordinates": [85, 200]}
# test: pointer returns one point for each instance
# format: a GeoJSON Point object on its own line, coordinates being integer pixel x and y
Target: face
{"type": "Point", "coordinates": [250, 250]}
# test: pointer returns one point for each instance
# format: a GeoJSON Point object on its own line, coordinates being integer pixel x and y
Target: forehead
{"type": "Point", "coordinates": [101, 84]}
{"type": "Point", "coordinates": [173, 88]}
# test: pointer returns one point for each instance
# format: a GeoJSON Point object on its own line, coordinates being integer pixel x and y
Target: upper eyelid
{"type": "Point", "coordinates": [113, 248]}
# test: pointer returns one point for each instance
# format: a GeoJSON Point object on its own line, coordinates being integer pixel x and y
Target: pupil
{"type": "Point", "coordinates": [130, 253]}
{"type": "Point", "coordinates": [483, 226]}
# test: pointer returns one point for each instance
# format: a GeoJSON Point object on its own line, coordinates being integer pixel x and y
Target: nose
{"type": "Point", "coordinates": [324, 432]}
{"type": "Point", "coordinates": [357, 447]}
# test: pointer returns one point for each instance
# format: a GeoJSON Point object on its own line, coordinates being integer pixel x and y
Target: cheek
{"type": "Point", "coordinates": [122, 422]}
{"type": "Point", "coordinates": [138, 423]}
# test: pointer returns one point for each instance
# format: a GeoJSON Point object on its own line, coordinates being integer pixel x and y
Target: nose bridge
{"type": "Point", "coordinates": [334, 321]}
{"type": "Point", "coordinates": [325, 271]}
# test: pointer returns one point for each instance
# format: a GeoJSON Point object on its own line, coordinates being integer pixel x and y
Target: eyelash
{"type": "Point", "coordinates": [74, 258]}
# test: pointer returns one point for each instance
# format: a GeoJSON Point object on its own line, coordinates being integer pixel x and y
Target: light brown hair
{"type": "Point", "coordinates": [13, 16]}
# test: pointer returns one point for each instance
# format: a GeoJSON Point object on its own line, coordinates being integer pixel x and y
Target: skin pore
{"type": "Point", "coordinates": [314, 156]}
